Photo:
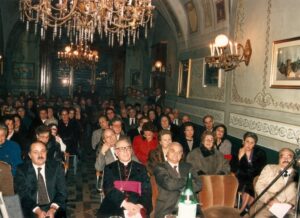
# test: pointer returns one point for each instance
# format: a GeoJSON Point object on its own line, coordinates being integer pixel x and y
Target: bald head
{"type": "Point", "coordinates": [174, 153]}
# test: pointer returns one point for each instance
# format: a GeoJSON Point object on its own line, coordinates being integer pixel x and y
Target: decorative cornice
{"type": "Point", "coordinates": [275, 130]}
{"type": "Point", "coordinates": [201, 111]}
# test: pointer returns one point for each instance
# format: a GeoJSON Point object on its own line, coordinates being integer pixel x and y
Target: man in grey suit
{"type": "Point", "coordinates": [106, 153]}
{"type": "Point", "coordinates": [171, 178]}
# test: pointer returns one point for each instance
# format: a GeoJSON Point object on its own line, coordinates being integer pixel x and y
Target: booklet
{"type": "Point", "coordinates": [280, 209]}
{"type": "Point", "coordinates": [3, 209]}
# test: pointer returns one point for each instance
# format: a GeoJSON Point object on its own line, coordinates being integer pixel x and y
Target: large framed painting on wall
{"type": "Point", "coordinates": [135, 78]}
{"type": "Point", "coordinates": [285, 67]}
{"type": "Point", "coordinates": [184, 78]}
{"type": "Point", "coordinates": [212, 76]}
{"type": "Point", "coordinates": [23, 71]}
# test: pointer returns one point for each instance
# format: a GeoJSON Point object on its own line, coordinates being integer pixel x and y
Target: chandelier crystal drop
{"type": "Point", "coordinates": [81, 19]}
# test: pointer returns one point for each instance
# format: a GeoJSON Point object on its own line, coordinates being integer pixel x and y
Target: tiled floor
{"type": "Point", "coordinates": [83, 198]}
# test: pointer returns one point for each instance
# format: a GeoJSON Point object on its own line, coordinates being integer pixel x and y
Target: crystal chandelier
{"type": "Point", "coordinates": [227, 55]}
{"type": "Point", "coordinates": [115, 19]}
{"type": "Point", "coordinates": [78, 55]}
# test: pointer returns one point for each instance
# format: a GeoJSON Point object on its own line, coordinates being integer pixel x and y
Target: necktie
{"type": "Point", "coordinates": [42, 191]}
{"type": "Point", "coordinates": [285, 174]}
{"type": "Point", "coordinates": [176, 171]}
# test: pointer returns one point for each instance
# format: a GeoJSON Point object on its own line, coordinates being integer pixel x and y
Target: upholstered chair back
{"type": "Point", "coordinates": [6, 179]}
{"type": "Point", "coordinates": [218, 190]}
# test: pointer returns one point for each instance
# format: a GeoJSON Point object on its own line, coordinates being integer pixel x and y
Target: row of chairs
{"type": "Point", "coordinates": [217, 197]}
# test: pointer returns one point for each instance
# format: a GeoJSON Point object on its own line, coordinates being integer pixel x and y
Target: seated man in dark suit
{"type": "Point", "coordinates": [126, 185]}
{"type": "Point", "coordinates": [171, 178]}
{"type": "Point", "coordinates": [37, 199]}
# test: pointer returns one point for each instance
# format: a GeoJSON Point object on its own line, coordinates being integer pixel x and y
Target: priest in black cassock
{"type": "Point", "coordinates": [126, 185]}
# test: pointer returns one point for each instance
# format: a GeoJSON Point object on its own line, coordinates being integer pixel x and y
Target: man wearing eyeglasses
{"type": "Point", "coordinates": [126, 185]}
{"type": "Point", "coordinates": [284, 190]}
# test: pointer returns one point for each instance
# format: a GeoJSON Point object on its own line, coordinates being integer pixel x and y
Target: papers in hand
{"type": "Point", "coordinates": [137, 215]}
{"type": "Point", "coordinates": [280, 209]}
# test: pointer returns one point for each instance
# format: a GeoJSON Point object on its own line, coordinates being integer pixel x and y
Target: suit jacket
{"type": "Point", "coordinates": [170, 186]}
{"type": "Point", "coordinates": [127, 125]}
{"type": "Point", "coordinates": [132, 133]}
{"type": "Point", "coordinates": [111, 204]}
{"type": "Point", "coordinates": [281, 191]}
{"type": "Point", "coordinates": [96, 137]}
{"type": "Point", "coordinates": [186, 149]}
{"type": "Point", "coordinates": [25, 183]}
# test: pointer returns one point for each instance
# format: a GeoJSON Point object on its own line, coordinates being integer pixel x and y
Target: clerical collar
{"type": "Point", "coordinates": [125, 163]}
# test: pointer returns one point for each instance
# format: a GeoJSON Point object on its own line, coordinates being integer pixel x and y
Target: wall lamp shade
{"type": "Point", "coordinates": [228, 55]}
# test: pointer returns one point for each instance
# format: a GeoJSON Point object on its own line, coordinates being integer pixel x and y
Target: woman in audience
{"type": "Point", "coordinates": [188, 140]}
{"type": "Point", "coordinates": [159, 154]}
{"type": "Point", "coordinates": [144, 143]}
{"type": "Point", "coordinates": [206, 159]}
{"type": "Point", "coordinates": [54, 129]}
{"type": "Point", "coordinates": [152, 117]}
{"type": "Point", "coordinates": [166, 124]}
{"type": "Point", "coordinates": [221, 141]}
{"type": "Point", "coordinates": [247, 165]}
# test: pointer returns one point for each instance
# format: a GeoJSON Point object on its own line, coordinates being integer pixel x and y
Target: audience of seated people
{"type": "Point", "coordinates": [207, 149]}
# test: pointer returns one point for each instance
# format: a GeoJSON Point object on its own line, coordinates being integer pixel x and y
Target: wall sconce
{"type": "Point", "coordinates": [228, 55]}
{"type": "Point", "coordinates": [1, 65]}
{"type": "Point", "coordinates": [158, 67]}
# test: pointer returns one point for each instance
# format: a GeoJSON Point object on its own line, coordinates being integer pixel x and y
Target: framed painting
{"type": "Point", "coordinates": [23, 71]}
{"type": "Point", "coordinates": [285, 66]}
{"type": "Point", "coordinates": [220, 8]}
{"type": "Point", "coordinates": [192, 16]}
{"type": "Point", "coordinates": [184, 78]}
{"type": "Point", "coordinates": [135, 78]}
{"type": "Point", "coordinates": [212, 76]}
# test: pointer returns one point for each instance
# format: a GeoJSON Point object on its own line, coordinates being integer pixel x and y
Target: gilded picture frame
{"type": "Point", "coordinates": [212, 76]}
{"type": "Point", "coordinates": [285, 65]}
{"type": "Point", "coordinates": [184, 78]}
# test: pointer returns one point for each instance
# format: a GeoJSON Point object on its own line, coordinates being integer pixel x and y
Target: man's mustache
{"type": "Point", "coordinates": [40, 158]}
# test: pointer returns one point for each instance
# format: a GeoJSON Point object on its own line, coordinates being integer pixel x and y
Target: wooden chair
{"type": "Point", "coordinates": [218, 190]}
{"type": "Point", "coordinates": [154, 194]}
{"type": "Point", "coordinates": [6, 179]}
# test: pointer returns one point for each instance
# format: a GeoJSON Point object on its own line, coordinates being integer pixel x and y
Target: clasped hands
{"type": "Point", "coordinates": [132, 208]}
{"type": "Point", "coordinates": [43, 214]}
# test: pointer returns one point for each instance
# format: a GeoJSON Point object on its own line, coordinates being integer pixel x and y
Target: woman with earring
{"type": "Point", "coordinates": [247, 165]}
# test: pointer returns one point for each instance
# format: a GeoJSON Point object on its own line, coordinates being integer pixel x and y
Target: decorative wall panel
{"type": "Point", "coordinates": [275, 130]}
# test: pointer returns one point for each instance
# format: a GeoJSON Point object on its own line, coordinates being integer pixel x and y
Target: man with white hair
{"type": "Point", "coordinates": [171, 177]}
{"type": "Point", "coordinates": [126, 185]}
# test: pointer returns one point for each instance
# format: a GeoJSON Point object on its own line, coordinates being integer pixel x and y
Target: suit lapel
{"type": "Point", "coordinates": [49, 178]}
{"type": "Point", "coordinates": [172, 170]}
